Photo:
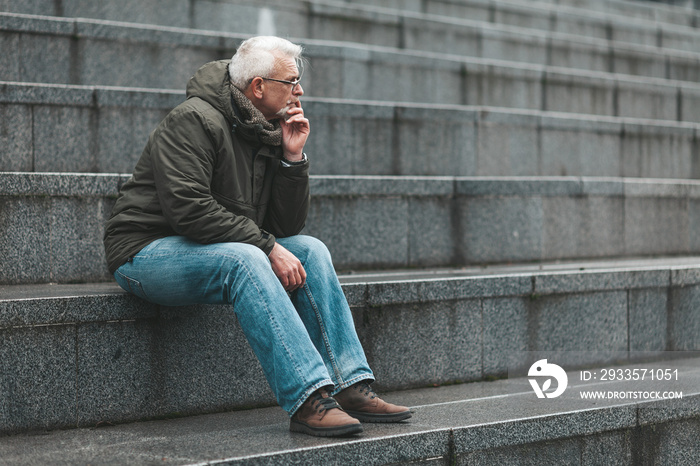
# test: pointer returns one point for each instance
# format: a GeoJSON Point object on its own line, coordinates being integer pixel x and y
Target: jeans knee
{"type": "Point", "coordinates": [311, 243]}
{"type": "Point", "coordinates": [246, 269]}
{"type": "Point", "coordinates": [244, 257]}
{"type": "Point", "coordinates": [310, 249]}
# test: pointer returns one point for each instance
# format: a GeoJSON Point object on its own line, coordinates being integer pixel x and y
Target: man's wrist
{"type": "Point", "coordinates": [286, 162]}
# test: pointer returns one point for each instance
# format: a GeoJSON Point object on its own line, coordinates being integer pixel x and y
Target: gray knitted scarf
{"type": "Point", "coordinates": [250, 122]}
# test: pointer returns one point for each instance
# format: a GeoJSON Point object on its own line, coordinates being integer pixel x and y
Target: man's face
{"type": "Point", "coordinates": [278, 97]}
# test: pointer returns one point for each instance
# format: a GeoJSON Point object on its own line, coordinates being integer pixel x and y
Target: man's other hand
{"type": "Point", "coordinates": [287, 268]}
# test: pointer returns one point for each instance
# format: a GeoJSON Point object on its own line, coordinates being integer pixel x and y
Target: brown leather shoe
{"type": "Point", "coordinates": [322, 416]}
{"type": "Point", "coordinates": [360, 402]}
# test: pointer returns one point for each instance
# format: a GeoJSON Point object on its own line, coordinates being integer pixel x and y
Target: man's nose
{"type": "Point", "coordinates": [298, 90]}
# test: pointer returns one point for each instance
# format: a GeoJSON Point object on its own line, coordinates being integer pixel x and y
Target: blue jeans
{"type": "Point", "coordinates": [304, 341]}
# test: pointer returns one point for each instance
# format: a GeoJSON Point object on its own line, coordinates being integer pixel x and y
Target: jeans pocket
{"type": "Point", "coordinates": [130, 285]}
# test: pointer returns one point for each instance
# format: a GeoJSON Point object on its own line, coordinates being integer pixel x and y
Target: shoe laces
{"type": "Point", "coordinates": [321, 404]}
{"type": "Point", "coordinates": [366, 389]}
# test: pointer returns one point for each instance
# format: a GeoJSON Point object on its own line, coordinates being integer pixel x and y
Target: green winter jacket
{"type": "Point", "coordinates": [197, 178]}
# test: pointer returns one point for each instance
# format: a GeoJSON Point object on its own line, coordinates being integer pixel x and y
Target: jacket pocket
{"type": "Point", "coordinates": [235, 207]}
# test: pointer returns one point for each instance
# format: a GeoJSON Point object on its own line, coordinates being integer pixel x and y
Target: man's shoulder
{"type": "Point", "coordinates": [199, 109]}
{"type": "Point", "coordinates": [199, 105]}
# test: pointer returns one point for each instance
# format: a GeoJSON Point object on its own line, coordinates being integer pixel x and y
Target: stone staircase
{"type": "Point", "coordinates": [493, 178]}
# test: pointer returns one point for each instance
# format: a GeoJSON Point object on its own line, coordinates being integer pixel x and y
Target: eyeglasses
{"type": "Point", "coordinates": [294, 83]}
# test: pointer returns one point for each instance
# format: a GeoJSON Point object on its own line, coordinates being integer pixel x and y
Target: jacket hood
{"type": "Point", "coordinates": [211, 84]}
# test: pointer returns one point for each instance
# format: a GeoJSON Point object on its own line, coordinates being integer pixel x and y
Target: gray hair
{"type": "Point", "coordinates": [257, 56]}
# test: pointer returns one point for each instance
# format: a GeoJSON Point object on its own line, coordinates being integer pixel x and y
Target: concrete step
{"type": "Point", "coordinates": [51, 225]}
{"type": "Point", "coordinates": [683, 15]}
{"type": "Point", "coordinates": [690, 5]}
{"type": "Point", "coordinates": [82, 355]}
{"type": "Point", "coordinates": [64, 128]}
{"type": "Point", "coordinates": [102, 53]}
{"type": "Point", "coordinates": [629, 22]}
{"type": "Point", "coordinates": [487, 423]}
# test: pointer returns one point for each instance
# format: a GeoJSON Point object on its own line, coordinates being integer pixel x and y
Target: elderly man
{"type": "Point", "coordinates": [212, 214]}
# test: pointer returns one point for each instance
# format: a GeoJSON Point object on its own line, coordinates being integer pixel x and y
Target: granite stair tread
{"type": "Point", "coordinates": [360, 277]}
{"type": "Point", "coordinates": [545, 267]}
{"type": "Point", "coordinates": [378, 287]}
{"type": "Point", "coordinates": [468, 422]}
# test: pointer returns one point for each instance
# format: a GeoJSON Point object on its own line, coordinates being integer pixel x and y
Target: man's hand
{"type": "Point", "coordinates": [295, 131]}
{"type": "Point", "coordinates": [287, 268]}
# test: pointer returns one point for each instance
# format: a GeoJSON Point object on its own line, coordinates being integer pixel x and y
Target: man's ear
{"type": "Point", "coordinates": [257, 87]}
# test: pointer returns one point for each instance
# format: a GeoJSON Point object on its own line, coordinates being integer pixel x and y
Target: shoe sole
{"type": "Point", "coordinates": [339, 431]}
{"type": "Point", "coordinates": [372, 417]}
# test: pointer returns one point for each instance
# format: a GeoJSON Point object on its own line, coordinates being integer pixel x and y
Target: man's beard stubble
{"type": "Point", "coordinates": [282, 113]}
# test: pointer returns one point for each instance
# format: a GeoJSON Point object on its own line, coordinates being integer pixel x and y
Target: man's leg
{"type": "Point", "coordinates": [175, 271]}
{"type": "Point", "coordinates": [328, 320]}
{"type": "Point", "coordinates": [326, 315]}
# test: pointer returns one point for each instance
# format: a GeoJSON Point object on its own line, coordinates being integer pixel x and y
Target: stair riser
{"type": "Point", "coordinates": [494, 226]}
{"type": "Point", "coordinates": [644, 10]}
{"type": "Point", "coordinates": [83, 129]}
{"type": "Point", "coordinates": [51, 226]}
{"type": "Point", "coordinates": [671, 442]}
{"type": "Point", "coordinates": [79, 361]}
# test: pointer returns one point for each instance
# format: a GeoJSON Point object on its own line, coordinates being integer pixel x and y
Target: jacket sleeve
{"type": "Point", "coordinates": [183, 156]}
{"type": "Point", "coordinates": [289, 201]}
